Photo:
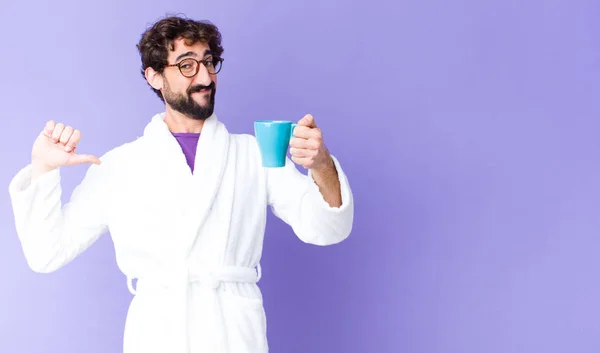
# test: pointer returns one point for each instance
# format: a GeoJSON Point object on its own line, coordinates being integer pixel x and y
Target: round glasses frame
{"type": "Point", "coordinates": [213, 66]}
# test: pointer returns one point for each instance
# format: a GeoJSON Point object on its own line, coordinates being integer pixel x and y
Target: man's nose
{"type": "Point", "coordinates": [202, 77]}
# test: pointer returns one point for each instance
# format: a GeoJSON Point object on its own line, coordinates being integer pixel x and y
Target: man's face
{"type": "Point", "coordinates": [192, 96]}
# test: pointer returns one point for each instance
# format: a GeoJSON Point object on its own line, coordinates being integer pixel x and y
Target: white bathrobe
{"type": "Point", "coordinates": [192, 241]}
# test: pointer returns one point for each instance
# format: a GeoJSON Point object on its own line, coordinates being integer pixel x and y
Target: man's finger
{"type": "Point", "coordinates": [73, 141]}
{"type": "Point", "coordinates": [58, 130]}
{"type": "Point", "coordinates": [84, 159]}
{"type": "Point", "coordinates": [302, 152]}
{"type": "Point", "coordinates": [49, 128]}
{"type": "Point", "coordinates": [305, 132]}
{"type": "Point", "coordinates": [305, 162]}
{"type": "Point", "coordinates": [308, 120]}
{"type": "Point", "coordinates": [66, 135]}
{"type": "Point", "coordinates": [304, 143]}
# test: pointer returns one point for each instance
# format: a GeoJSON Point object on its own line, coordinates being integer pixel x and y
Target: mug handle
{"type": "Point", "coordinates": [292, 130]}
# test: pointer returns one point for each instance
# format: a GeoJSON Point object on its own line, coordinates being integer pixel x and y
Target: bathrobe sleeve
{"type": "Point", "coordinates": [295, 198]}
{"type": "Point", "coordinates": [51, 234]}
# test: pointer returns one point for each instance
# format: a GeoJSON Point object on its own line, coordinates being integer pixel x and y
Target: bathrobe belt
{"type": "Point", "coordinates": [177, 284]}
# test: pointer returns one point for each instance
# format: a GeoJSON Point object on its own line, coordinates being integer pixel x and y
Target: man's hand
{"type": "Point", "coordinates": [308, 150]}
{"type": "Point", "coordinates": [307, 147]}
{"type": "Point", "coordinates": [55, 147]}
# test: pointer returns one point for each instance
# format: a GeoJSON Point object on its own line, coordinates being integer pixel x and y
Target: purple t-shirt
{"type": "Point", "coordinates": [188, 142]}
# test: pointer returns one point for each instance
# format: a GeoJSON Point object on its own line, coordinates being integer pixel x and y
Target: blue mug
{"type": "Point", "coordinates": [273, 137]}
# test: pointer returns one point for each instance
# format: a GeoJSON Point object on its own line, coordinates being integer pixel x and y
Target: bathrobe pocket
{"type": "Point", "coordinates": [246, 323]}
{"type": "Point", "coordinates": [147, 327]}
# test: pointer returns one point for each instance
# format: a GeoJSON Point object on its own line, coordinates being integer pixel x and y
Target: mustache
{"type": "Point", "coordinates": [199, 88]}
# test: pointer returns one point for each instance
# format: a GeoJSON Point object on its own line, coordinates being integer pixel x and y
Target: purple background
{"type": "Point", "coordinates": [469, 131]}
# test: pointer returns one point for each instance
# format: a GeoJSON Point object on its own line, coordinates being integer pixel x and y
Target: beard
{"type": "Point", "coordinates": [185, 103]}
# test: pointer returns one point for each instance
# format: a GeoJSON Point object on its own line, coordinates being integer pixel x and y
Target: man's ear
{"type": "Point", "coordinates": [155, 79]}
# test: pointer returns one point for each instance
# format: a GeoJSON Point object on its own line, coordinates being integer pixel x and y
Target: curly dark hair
{"type": "Point", "coordinates": [157, 40]}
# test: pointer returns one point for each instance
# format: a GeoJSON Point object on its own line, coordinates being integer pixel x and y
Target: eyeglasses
{"type": "Point", "coordinates": [190, 67]}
